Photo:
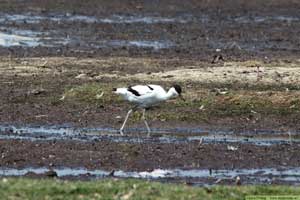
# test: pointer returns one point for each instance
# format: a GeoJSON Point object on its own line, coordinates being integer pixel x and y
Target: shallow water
{"type": "Point", "coordinates": [134, 43]}
{"type": "Point", "coordinates": [57, 37]}
{"type": "Point", "coordinates": [31, 18]}
{"type": "Point", "coordinates": [196, 176]}
{"type": "Point", "coordinates": [8, 40]}
{"type": "Point", "coordinates": [266, 19]}
{"type": "Point", "coordinates": [179, 135]}
{"type": "Point", "coordinates": [113, 19]}
{"type": "Point", "coordinates": [28, 38]}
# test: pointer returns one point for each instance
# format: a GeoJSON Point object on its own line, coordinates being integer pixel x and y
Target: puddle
{"type": "Point", "coordinates": [8, 40]}
{"type": "Point", "coordinates": [196, 176]}
{"type": "Point", "coordinates": [141, 19]}
{"type": "Point", "coordinates": [266, 19]}
{"type": "Point", "coordinates": [179, 135]}
{"type": "Point", "coordinates": [28, 38]}
{"type": "Point", "coordinates": [20, 18]}
{"type": "Point", "coordinates": [135, 43]}
{"type": "Point", "coordinates": [31, 18]}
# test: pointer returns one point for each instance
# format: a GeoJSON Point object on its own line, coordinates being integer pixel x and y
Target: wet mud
{"type": "Point", "coordinates": [138, 153]}
{"type": "Point", "coordinates": [241, 29]}
{"type": "Point", "coordinates": [136, 136]}
{"type": "Point", "coordinates": [239, 47]}
{"type": "Point", "coordinates": [190, 177]}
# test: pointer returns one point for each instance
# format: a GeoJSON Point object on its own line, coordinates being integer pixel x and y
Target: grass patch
{"type": "Point", "coordinates": [20, 188]}
{"type": "Point", "coordinates": [91, 93]}
{"type": "Point", "coordinates": [200, 105]}
{"type": "Point", "coordinates": [234, 85]}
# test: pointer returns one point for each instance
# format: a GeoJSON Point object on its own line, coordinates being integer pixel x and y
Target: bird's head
{"type": "Point", "coordinates": [176, 90]}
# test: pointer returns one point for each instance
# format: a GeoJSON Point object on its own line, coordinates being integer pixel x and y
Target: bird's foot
{"type": "Point", "coordinates": [121, 132]}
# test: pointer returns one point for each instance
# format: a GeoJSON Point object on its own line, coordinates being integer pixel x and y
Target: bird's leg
{"type": "Point", "coordinates": [126, 118]}
{"type": "Point", "coordinates": [144, 118]}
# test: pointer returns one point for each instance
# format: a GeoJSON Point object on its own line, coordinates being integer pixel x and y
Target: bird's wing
{"type": "Point", "coordinates": [141, 90]}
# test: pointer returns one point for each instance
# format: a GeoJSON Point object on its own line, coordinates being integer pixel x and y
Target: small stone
{"type": "Point", "coordinates": [231, 148]}
{"type": "Point", "coordinates": [81, 76]}
{"type": "Point", "coordinates": [168, 76]}
{"type": "Point", "coordinates": [218, 181]}
{"type": "Point", "coordinates": [238, 180]}
{"type": "Point", "coordinates": [111, 173]}
{"type": "Point", "coordinates": [36, 92]}
{"type": "Point", "coordinates": [98, 96]}
{"type": "Point", "coordinates": [245, 72]}
{"type": "Point", "coordinates": [31, 174]}
{"type": "Point", "coordinates": [51, 156]}
{"type": "Point", "coordinates": [217, 58]}
{"type": "Point", "coordinates": [51, 173]}
{"type": "Point", "coordinates": [62, 98]}
{"type": "Point", "coordinates": [41, 116]}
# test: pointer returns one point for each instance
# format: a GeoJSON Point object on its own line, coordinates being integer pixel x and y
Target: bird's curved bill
{"type": "Point", "coordinates": [181, 97]}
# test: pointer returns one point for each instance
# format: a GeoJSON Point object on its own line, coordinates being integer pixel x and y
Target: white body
{"type": "Point", "coordinates": [145, 96]}
{"type": "Point", "coordinates": [149, 95]}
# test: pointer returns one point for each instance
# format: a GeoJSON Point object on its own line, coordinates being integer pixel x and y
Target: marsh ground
{"type": "Point", "coordinates": [254, 86]}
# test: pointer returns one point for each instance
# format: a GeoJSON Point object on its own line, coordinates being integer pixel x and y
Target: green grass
{"type": "Point", "coordinates": [20, 188]}
{"type": "Point", "coordinates": [204, 105]}
{"type": "Point", "coordinates": [91, 94]}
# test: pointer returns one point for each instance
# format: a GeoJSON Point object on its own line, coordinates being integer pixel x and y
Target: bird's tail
{"type": "Point", "coordinates": [119, 90]}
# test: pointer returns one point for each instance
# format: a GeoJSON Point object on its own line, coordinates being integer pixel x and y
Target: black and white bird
{"type": "Point", "coordinates": [146, 96]}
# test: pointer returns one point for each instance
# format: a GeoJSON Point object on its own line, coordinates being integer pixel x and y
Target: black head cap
{"type": "Point", "coordinates": [177, 88]}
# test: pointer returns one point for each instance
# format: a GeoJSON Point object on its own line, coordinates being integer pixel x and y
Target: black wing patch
{"type": "Point", "coordinates": [130, 89]}
{"type": "Point", "coordinates": [150, 87]}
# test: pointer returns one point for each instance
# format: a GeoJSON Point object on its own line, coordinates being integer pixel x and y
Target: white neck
{"type": "Point", "coordinates": [169, 94]}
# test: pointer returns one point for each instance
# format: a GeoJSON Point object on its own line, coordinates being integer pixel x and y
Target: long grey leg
{"type": "Point", "coordinates": [144, 118]}
{"type": "Point", "coordinates": [126, 118]}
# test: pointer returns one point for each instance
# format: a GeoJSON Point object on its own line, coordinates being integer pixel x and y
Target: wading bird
{"type": "Point", "coordinates": [144, 97]}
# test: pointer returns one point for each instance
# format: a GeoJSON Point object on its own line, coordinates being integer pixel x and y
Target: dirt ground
{"type": "Point", "coordinates": [238, 63]}
{"type": "Point", "coordinates": [145, 157]}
